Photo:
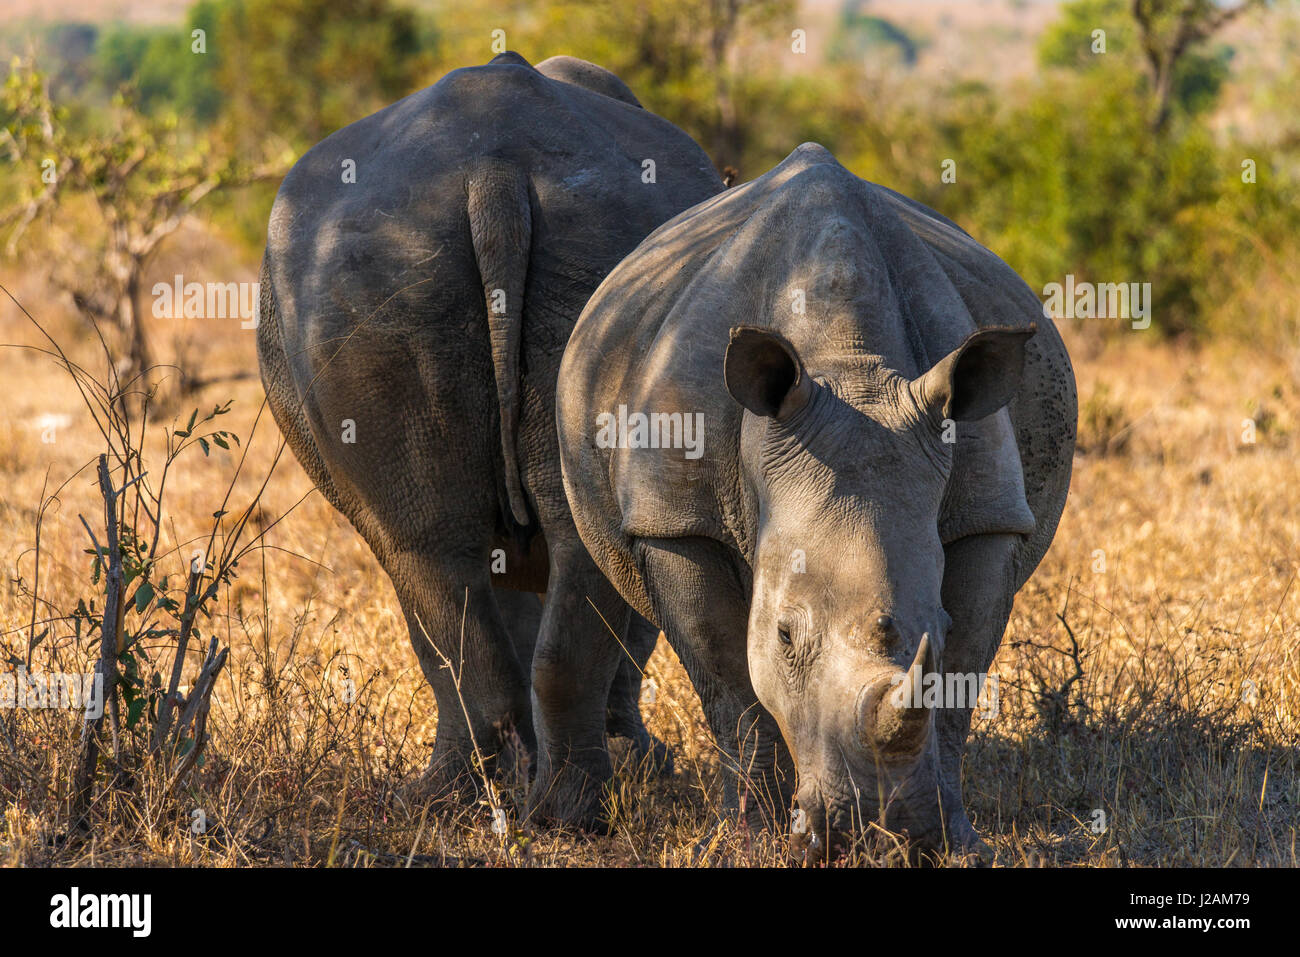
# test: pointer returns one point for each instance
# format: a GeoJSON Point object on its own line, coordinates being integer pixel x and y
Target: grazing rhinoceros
{"type": "Point", "coordinates": [809, 430]}
{"type": "Point", "coordinates": [424, 268]}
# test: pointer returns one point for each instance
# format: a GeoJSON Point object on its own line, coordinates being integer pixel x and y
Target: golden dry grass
{"type": "Point", "coordinates": [1175, 567]}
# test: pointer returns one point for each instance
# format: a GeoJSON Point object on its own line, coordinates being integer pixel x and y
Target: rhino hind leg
{"type": "Point", "coordinates": [467, 656]}
{"type": "Point", "coordinates": [411, 571]}
{"type": "Point", "coordinates": [574, 663]}
{"type": "Point", "coordinates": [704, 611]}
{"type": "Point", "coordinates": [521, 612]}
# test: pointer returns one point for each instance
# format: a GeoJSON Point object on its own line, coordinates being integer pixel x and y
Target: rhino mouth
{"type": "Point", "coordinates": [839, 816]}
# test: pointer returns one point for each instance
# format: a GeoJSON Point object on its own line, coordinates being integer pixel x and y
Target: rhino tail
{"type": "Point", "coordinates": [500, 223]}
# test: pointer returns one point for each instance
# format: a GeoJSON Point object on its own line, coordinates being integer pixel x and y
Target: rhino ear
{"type": "Point", "coordinates": [977, 378]}
{"type": "Point", "coordinates": [763, 373]}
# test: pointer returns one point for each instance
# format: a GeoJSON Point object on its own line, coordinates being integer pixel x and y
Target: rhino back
{"type": "Point", "coordinates": [399, 236]}
{"type": "Point", "coordinates": [1044, 413]}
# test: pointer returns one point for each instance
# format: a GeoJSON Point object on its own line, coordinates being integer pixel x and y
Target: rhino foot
{"type": "Point", "coordinates": [455, 775]}
{"type": "Point", "coordinates": [970, 850]}
{"type": "Point", "coordinates": [964, 843]}
{"type": "Point", "coordinates": [452, 777]}
{"type": "Point", "coordinates": [572, 796]}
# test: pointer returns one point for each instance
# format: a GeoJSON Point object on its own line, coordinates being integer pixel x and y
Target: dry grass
{"type": "Point", "coordinates": [1175, 568]}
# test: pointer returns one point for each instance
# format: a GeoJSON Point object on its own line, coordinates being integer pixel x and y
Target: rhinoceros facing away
{"type": "Point", "coordinates": [881, 451]}
{"type": "Point", "coordinates": [423, 270]}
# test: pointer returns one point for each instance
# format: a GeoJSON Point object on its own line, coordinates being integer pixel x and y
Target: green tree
{"type": "Point", "coordinates": [700, 63]}
{"type": "Point", "coordinates": [1158, 36]}
{"type": "Point", "coordinates": [168, 68]}
{"type": "Point", "coordinates": [301, 69]}
{"type": "Point", "coordinates": [1169, 30]}
{"type": "Point", "coordinates": [136, 182]}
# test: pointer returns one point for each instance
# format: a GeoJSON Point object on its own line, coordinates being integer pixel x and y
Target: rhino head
{"type": "Point", "coordinates": [848, 471]}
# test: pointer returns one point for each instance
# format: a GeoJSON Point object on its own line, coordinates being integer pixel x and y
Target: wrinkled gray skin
{"type": "Point", "coordinates": [828, 547]}
{"type": "Point", "coordinates": [425, 308]}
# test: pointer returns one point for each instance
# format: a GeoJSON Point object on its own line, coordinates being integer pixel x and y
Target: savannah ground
{"type": "Point", "coordinates": [1167, 736]}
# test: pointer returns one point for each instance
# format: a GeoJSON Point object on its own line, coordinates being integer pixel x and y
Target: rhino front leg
{"type": "Point", "coordinates": [704, 611]}
{"type": "Point", "coordinates": [978, 591]}
{"type": "Point", "coordinates": [574, 663]}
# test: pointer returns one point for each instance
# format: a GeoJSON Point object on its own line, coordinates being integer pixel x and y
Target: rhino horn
{"type": "Point", "coordinates": [901, 718]}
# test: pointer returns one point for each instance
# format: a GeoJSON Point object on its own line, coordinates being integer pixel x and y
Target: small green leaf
{"type": "Point", "coordinates": [134, 710]}
{"type": "Point", "coordinates": [143, 595]}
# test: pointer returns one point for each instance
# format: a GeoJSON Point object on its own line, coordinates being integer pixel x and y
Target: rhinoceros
{"type": "Point", "coordinates": [820, 436]}
{"type": "Point", "coordinates": [423, 270]}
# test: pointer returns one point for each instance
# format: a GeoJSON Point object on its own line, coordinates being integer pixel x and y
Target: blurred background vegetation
{"type": "Point", "coordinates": [1173, 157]}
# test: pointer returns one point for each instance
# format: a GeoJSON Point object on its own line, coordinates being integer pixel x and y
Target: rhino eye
{"type": "Point", "coordinates": [793, 620]}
